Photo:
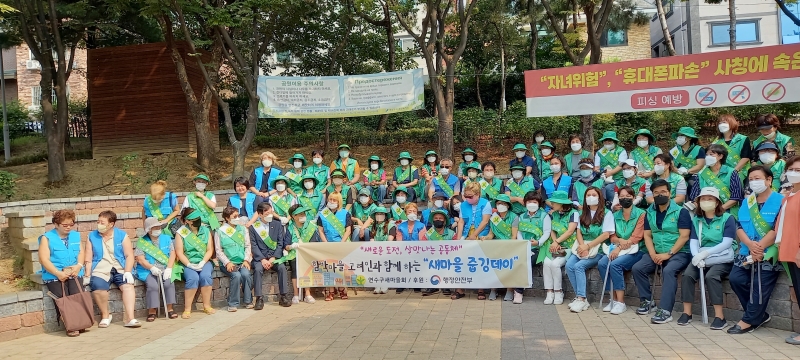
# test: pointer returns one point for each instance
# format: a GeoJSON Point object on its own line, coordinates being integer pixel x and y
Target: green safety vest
{"type": "Point", "coordinates": [363, 214]}
{"type": "Point", "coordinates": [350, 169]}
{"type": "Point", "coordinates": [721, 181]}
{"type": "Point", "coordinates": [734, 149]}
{"type": "Point", "coordinates": [624, 228]}
{"type": "Point", "coordinates": [780, 141]}
{"type": "Point", "coordinates": [666, 237]}
{"type": "Point", "coordinates": [685, 159]}
{"type": "Point", "coordinates": [519, 190]}
{"type": "Point", "coordinates": [462, 168]}
{"type": "Point", "coordinates": [231, 241]}
{"type": "Point", "coordinates": [610, 159]}
{"type": "Point", "coordinates": [580, 188]}
{"type": "Point", "coordinates": [592, 232]}
{"type": "Point", "coordinates": [434, 235]}
{"type": "Point", "coordinates": [645, 157]}
{"type": "Point", "coordinates": [490, 191]}
{"type": "Point", "coordinates": [544, 168]}
{"type": "Point", "coordinates": [194, 245]}
{"type": "Point", "coordinates": [712, 232]}
{"type": "Point", "coordinates": [296, 180]}
{"type": "Point", "coordinates": [379, 235]}
{"type": "Point", "coordinates": [531, 226]}
{"type": "Point", "coordinates": [311, 201]}
{"type": "Point", "coordinates": [320, 172]}
{"type": "Point", "coordinates": [501, 226]}
{"type": "Point", "coordinates": [637, 184]}
{"type": "Point", "coordinates": [568, 159]}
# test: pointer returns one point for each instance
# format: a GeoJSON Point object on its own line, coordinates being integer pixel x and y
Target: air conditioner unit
{"type": "Point", "coordinates": [33, 64]}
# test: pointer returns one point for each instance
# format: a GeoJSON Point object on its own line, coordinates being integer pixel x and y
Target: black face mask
{"type": "Point", "coordinates": [438, 224]}
{"type": "Point", "coordinates": [626, 203]}
{"type": "Point", "coordinates": [661, 199]}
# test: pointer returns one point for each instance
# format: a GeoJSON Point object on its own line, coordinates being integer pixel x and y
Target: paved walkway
{"type": "Point", "coordinates": [406, 326]}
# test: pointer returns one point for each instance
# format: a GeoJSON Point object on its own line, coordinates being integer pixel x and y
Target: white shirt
{"type": "Point", "coordinates": [608, 221]}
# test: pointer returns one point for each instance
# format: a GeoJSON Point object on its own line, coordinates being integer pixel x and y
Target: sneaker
{"type": "Point", "coordinates": [232, 309]}
{"type": "Point", "coordinates": [572, 302]}
{"type": "Point", "coordinates": [619, 308]}
{"type": "Point", "coordinates": [384, 290]}
{"type": "Point", "coordinates": [509, 296]}
{"type": "Point", "coordinates": [549, 299]}
{"type": "Point", "coordinates": [609, 306]}
{"type": "Point", "coordinates": [662, 317]}
{"type": "Point", "coordinates": [376, 291]}
{"type": "Point", "coordinates": [493, 295]}
{"type": "Point", "coordinates": [718, 324]}
{"type": "Point", "coordinates": [559, 298]}
{"type": "Point", "coordinates": [399, 291]}
{"type": "Point", "coordinates": [645, 307]}
{"type": "Point", "coordinates": [517, 298]}
{"type": "Point", "coordinates": [259, 303]}
{"type": "Point", "coordinates": [309, 299]}
{"type": "Point", "coordinates": [579, 305]}
{"type": "Point", "coordinates": [684, 319]}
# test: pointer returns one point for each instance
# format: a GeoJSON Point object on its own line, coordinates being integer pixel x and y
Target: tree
{"type": "Point", "coordinates": [787, 12]}
{"type": "Point", "coordinates": [442, 39]}
{"type": "Point", "coordinates": [662, 18]}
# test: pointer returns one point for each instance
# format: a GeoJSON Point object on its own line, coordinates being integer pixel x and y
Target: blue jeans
{"type": "Point", "coordinates": [380, 190]}
{"type": "Point", "coordinates": [576, 271]}
{"type": "Point", "coordinates": [354, 237]}
{"type": "Point", "coordinates": [240, 278]}
{"type": "Point", "coordinates": [192, 278]}
{"type": "Point", "coordinates": [618, 267]}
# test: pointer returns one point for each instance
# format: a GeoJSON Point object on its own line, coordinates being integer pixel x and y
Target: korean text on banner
{"type": "Point", "coordinates": [759, 75]}
{"type": "Point", "coordinates": [340, 96]}
{"type": "Point", "coordinates": [442, 264]}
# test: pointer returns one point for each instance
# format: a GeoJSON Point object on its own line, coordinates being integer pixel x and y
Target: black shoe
{"type": "Point", "coordinates": [286, 300]}
{"type": "Point", "coordinates": [398, 291]}
{"type": "Point", "coordinates": [429, 292]}
{"type": "Point", "coordinates": [662, 317]}
{"type": "Point", "coordinates": [767, 318]}
{"type": "Point", "coordinates": [736, 330]}
{"type": "Point", "coordinates": [259, 303]}
{"type": "Point", "coordinates": [417, 290]}
{"type": "Point", "coordinates": [684, 320]}
{"type": "Point", "coordinates": [446, 292]}
{"type": "Point", "coordinates": [645, 307]}
{"type": "Point", "coordinates": [718, 324]}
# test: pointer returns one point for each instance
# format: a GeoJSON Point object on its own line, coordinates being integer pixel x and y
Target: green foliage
{"type": "Point", "coordinates": [26, 284]}
{"type": "Point", "coordinates": [8, 187]}
{"type": "Point", "coordinates": [129, 163]}
{"type": "Point", "coordinates": [17, 115]}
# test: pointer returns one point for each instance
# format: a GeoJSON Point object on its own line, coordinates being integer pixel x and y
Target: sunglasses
{"type": "Point", "coordinates": [444, 167]}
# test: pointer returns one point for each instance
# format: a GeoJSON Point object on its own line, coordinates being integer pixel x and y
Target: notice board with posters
{"type": "Point", "coordinates": [761, 75]}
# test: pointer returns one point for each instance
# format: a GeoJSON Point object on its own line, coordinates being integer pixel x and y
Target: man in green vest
{"type": "Point", "coordinates": [667, 227]}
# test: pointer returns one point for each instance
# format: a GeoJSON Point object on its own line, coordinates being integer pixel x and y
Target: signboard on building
{"type": "Point", "coordinates": [761, 75]}
{"type": "Point", "coordinates": [340, 96]}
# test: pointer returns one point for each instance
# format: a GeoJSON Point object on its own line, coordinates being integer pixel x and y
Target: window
{"type": "Point", "coordinates": [36, 96]}
{"type": "Point", "coordinates": [669, 9]}
{"type": "Point", "coordinates": [284, 56]}
{"type": "Point", "coordinates": [746, 32]}
{"type": "Point", "coordinates": [614, 38]}
{"type": "Point", "coordinates": [790, 33]}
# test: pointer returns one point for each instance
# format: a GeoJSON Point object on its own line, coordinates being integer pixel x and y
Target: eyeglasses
{"type": "Point", "coordinates": [67, 225]}
{"type": "Point", "coordinates": [444, 167]}
{"type": "Point", "coordinates": [470, 197]}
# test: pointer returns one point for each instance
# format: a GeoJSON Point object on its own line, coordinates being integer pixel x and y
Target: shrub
{"type": "Point", "coordinates": [8, 187]}
{"type": "Point", "coordinates": [17, 116]}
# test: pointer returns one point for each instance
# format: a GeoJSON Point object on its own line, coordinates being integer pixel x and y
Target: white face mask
{"type": "Point", "coordinates": [411, 217]}
{"type": "Point", "coordinates": [400, 199]}
{"type": "Point", "coordinates": [628, 173]}
{"type": "Point", "coordinates": [280, 187]}
{"type": "Point", "coordinates": [344, 154]}
{"type": "Point", "coordinates": [338, 181]}
{"type": "Point", "coordinates": [302, 220]}
{"type": "Point", "coordinates": [404, 162]}
{"type": "Point", "coordinates": [239, 221]}
{"type": "Point", "coordinates": [658, 169]}
{"type": "Point", "coordinates": [520, 154]}
{"type": "Point", "coordinates": [332, 205]}
{"type": "Point", "coordinates": [724, 127]}
{"type": "Point", "coordinates": [444, 171]}
{"type": "Point", "coordinates": [488, 174]}
{"type": "Point", "coordinates": [308, 185]}
{"type": "Point", "coordinates": [317, 160]}
{"type": "Point", "coordinates": [532, 207]}
{"type": "Point", "coordinates": [576, 146]}
{"type": "Point", "coordinates": [642, 143]}
{"type": "Point", "coordinates": [547, 151]}
{"type": "Point", "coordinates": [592, 200]}
{"type": "Point", "coordinates": [431, 159]}
{"type": "Point", "coordinates": [266, 162]}
{"type": "Point", "coordinates": [758, 186]}
{"type": "Point", "coordinates": [438, 203]}
{"type": "Point", "coordinates": [380, 217]}
{"type": "Point", "coordinates": [267, 219]}
{"type": "Point", "coordinates": [516, 174]}
{"type": "Point", "coordinates": [609, 147]}
{"type": "Point", "coordinates": [101, 228]}
{"type": "Point", "coordinates": [373, 166]}
{"type": "Point", "coordinates": [200, 186]}
{"type": "Point", "coordinates": [708, 205]}
{"type": "Point", "coordinates": [155, 233]}
{"type": "Point", "coordinates": [767, 157]}
{"type": "Point", "coordinates": [770, 136]}
{"type": "Point", "coordinates": [298, 164]}
{"type": "Point", "coordinates": [587, 173]}
{"type": "Point", "coordinates": [363, 200]}
{"type": "Point", "coordinates": [793, 177]}
{"type": "Point", "coordinates": [539, 139]}
{"type": "Point", "coordinates": [502, 208]}
{"type": "Point", "coordinates": [555, 168]}
{"type": "Point", "coordinates": [457, 206]}
{"type": "Point", "coordinates": [681, 140]}
{"type": "Point", "coordinates": [468, 158]}
{"type": "Point", "coordinates": [472, 174]}
{"type": "Point", "coordinates": [711, 160]}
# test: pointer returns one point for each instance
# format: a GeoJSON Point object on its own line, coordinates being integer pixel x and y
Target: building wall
{"type": "Point", "coordinates": [28, 79]}
{"type": "Point", "coordinates": [677, 22]}
{"type": "Point", "coordinates": [638, 45]}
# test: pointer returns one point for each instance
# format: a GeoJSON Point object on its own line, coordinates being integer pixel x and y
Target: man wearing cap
{"type": "Point", "coordinates": [645, 152]}
{"type": "Point", "coordinates": [311, 198]}
{"type": "Point", "coordinates": [340, 185]}
{"type": "Point", "coordinates": [262, 176]}
{"type": "Point", "coordinates": [588, 177]}
{"type": "Point", "coordinates": [521, 157]}
{"type": "Point", "coordinates": [406, 175]}
{"type": "Point", "coordinates": [718, 175]}
{"type": "Point", "coordinates": [470, 157]}
{"type": "Point", "coordinates": [203, 201]}
{"type": "Point", "coordinates": [769, 156]}
{"type": "Point", "coordinates": [445, 182]}
{"type": "Point", "coordinates": [155, 257]}
{"type": "Point", "coordinates": [295, 175]}
{"type": "Point", "coordinates": [300, 231]}
{"type": "Point", "coordinates": [630, 178]}
{"type": "Point", "coordinates": [546, 150]}
{"type": "Point", "coordinates": [688, 154]}
{"type": "Point", "coordinates": [608, 161]}
{"type": "Point", "coordinates": [375, 179]}
{"type": "Point", "coordinates": [518, 186]}
{"type": "Point", "coordinates": [362, 209]}
{"type": "Point", "coordinates": [280, 199]}
{"type": "Point", "coordinates": [267, 241]}
{"type": "Point", "coordinates": [346, 164]}
{"type": "Point", "coordinates": [438, 203]}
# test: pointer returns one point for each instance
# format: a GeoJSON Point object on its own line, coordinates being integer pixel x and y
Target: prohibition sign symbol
{"type": "Point", "coordinates": [706, 96]}
{"type": "Point", "coordinates": [773, 91]}
{"type": "Point", "coordinates": [739, 94]}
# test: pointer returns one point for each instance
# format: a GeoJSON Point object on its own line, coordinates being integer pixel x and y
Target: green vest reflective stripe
{"type": "Point", "coordinates": [712, 232]}
{"type": "Point", "coordinates": [363, 214]}
{"type": "Point", "coordinates": [501, 227]}
{"type": "Point", "coordinates": [665, 237]}
{"type": "Point", "coordinates": [685, 159]}
{"type": "Point", "coordinates": [206, 213]}
{"type": "Point", "coordinates": [406, 176]}
{"type": "Point", "coordinates": [531, 226]}
{"type": "Point", "coordinates": [721, 181]}
{"type": "Point", "coordinates": [645, 157]}
{"type": "Point", "coordinates": [568, 160]}
{"type": "Point", "coordinates": [610, 159]}
{"type": "Point", "coordinates": [232, 242]}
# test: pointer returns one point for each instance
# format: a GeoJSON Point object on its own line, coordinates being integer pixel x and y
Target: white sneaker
{"type": "Point", "coordinates": [295, 300]}
{"type": "Point", "coordinates": [609, 306]}
{"type": "Point", "coordinates": [384, 290]}
{"type": "Point", "coordinates": [309, 299]}
{"type": "Point", "coordinates": [579, 305]}
{"type": "Point", "coordinates": [559, 298]}
{"type": "Point", "coordinates": [572, 302]}
{"type": "Point", "coordinates": [493, 295]}
{"type": "Point", "coordinates": [509, 296]}
{"type": "Point", "coordinates": [517, 298]}
{"type": "Point", "coordinates": [376, 291]}
{"type": "Point", "coordinates": [619, 308]}
{"type": "Point", "coordinates": [549, 299]}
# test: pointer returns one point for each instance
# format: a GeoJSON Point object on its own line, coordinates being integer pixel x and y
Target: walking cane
{"type": "Point", "coordinates": [605, 282]}
{"type": "Point", "coordinates": [703, 295]}
{"type": "Point", "coordinates": [163, 298]}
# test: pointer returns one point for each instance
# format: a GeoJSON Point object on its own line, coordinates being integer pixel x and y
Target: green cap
{"type": "Point", "coordinates": [431, 152]}
{"type": "Point", "coordinates": [685, 131]}
{"type": "Point", "coordinates": [300, 210]}
{"type": "Point", "coordinates": [194, 215]}
{"type": "Point", "coordinates": [202, 177]}
{"type": "Point", "coordinates": [520, 146]}
{"type": "Point", "coordinates": [364, 191]}
{"type": "Point", "coordinates": [379, 210]}
{"type": "Point", "coordinates": [440, 211]}
{"type": "Point", "coordinates": [647, 133]}
{"type": "Point", "coordinates": [375, 158]}
{"type": "Point", "coordinates": [297, 156]}
{"type": "Point", "coordinates": [279, 178]}
{"type": "Point", "coordinates": [518, 167]}
{"type": "Point", "coordinates": [609, 135]}
{"type": "Point", "coordinates": [468, 150]}
{"type": "Point", "coordinates": [560, 197]}
{"type": "Point", "coordinates": [310, 177]}
{"type": "Point", "coordinates": [473, 166]}
{"type": "Point", "coordinates": [504, 198]}
{"type": "Point", "coordinates": [338, 173]}
{"type": "Point", "coordinates": [343, 146]}
{"type": "Point", "coordinates": [547, 143]}
{"type": "Point", "coordinates": [405, 155]}
{"type": "Point", "coordinates": [399, 189]}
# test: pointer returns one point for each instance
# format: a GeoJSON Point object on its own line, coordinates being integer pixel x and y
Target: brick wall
{"type": "Point", "coordinates": [638, 45]}
{"type": "Point", "coordinates": [21, 314]}
{"type": "Point", "coordinates": [28, 79]}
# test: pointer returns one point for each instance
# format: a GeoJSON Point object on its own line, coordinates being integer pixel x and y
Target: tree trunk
{"type": "Point", "coordinates": [446, 113]}
{"type": "Point", "coordinates": [732, 29]}
{"type": "Point", "coordinates": [662, 17]}
{"type": "Point", "coordinates": [587, 130]}
{"type": "Point", "coordinates": [327, 144]}
{"type": "Point", "coordinates": [56, 164]}
{"type": "Point", "coordinates": [387, 17]}
{"type": "Point", "coordinates": [240, 147]}
{"type": "Point", "coordinates": [534, 41]}
{"type": "Point", "coordinates": [478, 90]}
{"type": "Point", "coordinates": [575, 15]}
{"type": "Point", "coordinates": [787, 12]}
{"type": "Point", "coordinates": [502, 77]}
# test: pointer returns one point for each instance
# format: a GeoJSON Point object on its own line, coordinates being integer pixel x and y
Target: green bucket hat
{"type": "Point", "coordinates": [343, 146]}
{"type": "Point", "coordinates": [300, 210]}
{"type": "Point", "coordinates": [202, 177]}
{"type": "Point", "coordinates": [560, 197]}
{"type": "Point", "coordinates": [298, 156]}
{"type": "Point", "coordinates": [310, 177]}
{"type": "Point", "coordinates": [379, 210]}
{"type": "Point", "coordinates": [609, 135]}
{"type": "Point", "coordinates": [473, 166]}
{"type": "Point", "coordinates": [338, 173]}
{"type": "Point", "coordinates": [399, 189]}
{"type": "Point", "coordinates": [647, 133]}
{"type": "Point", "coordinates": [405, 155]}
{"type": "Point", "coordinates": [431, 152]}
{"type": "Point", "coordinates": [547, 143]}
{"type": "Point", "coordinates": [279, 178]}
{"type": "Point", "coordinates": [468, 150]}
{"type": "Point", "coordinates": [440, 211]}
{"type": "Point", "coordinates": [520, 146]}
{"type": "Point", "coordinates": [685, 131]}
{"type": "Point", "coordinates": [375, 158]}
{"type": "Point", "coordinates": [504, 198]}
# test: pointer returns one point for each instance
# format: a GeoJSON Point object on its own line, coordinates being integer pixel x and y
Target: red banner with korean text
{"type": "Point", "coordinates": [761, 75]}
